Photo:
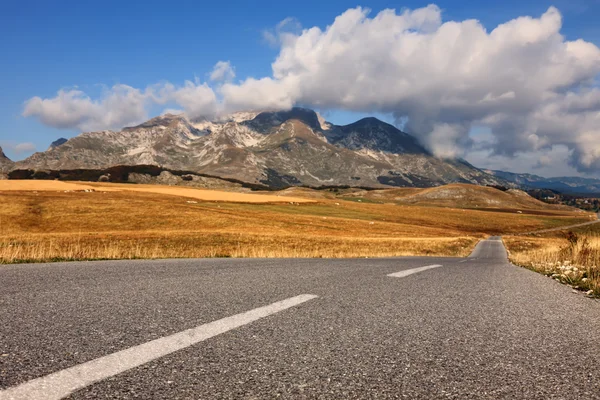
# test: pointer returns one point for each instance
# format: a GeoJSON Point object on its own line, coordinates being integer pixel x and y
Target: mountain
{"type": "Point", "coordinates": [285, 148]}
{"type": "Point", "coordinates": [5, 163]}
{"type": "Point", "coordinates": [57, 142]}
{"type": "Point", "coordinates": [567, 185]}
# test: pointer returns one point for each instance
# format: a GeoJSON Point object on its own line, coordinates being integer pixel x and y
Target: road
{"type": "Point", "coordinates": [431, 328]}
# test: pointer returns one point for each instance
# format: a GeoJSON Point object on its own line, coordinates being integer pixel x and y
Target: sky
{"type": "Point", "coordinates": [510, 85]}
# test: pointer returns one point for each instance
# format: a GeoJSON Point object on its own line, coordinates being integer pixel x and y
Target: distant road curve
{"type": "Point", "coordinates": [562, 228]}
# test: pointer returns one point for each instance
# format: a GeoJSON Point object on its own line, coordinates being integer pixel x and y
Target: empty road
{"type": "Point", "coordinates": [431, 328]}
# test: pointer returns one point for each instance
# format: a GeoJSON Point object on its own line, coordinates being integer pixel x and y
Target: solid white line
{"type": "Point", "coordinates": [408, 272]}
{"type": "Point", "coordinates": [60, 384]}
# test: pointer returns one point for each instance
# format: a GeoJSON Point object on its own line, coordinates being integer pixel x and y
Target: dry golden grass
{"type": "Point", "coordinates": [33, 185]}
{"type": "Point", "coordinates": [114, 224]}
{"type": "Point", "coordinates": [573, 259]}
{"type": "Point", "coordinates": [199, 194]}
{"type": "Point", "coordinates": [88, 246]}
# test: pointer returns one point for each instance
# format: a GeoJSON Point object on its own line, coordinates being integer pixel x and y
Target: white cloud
{"type": "Point", "coordinates": [222, 71]}
{"type": "Point", "coordinates": [546, 162]}
{"type": "Point", "coordinates": [258, 94]}
{"type": "Point", "coordinates": [172, 111]}
{"type": "Point", "coordinates": [18, 149]}
{"type": "Point", "coordinates": [197, 99]}
{"type": "Point", "coordinates": [287, 28]}
{"type": "Point", "coordinates": [525, 82]}
{"type": "Point", "coordinates": [26, 147]}
{"type": "Point", "coordinates": [120, 105]}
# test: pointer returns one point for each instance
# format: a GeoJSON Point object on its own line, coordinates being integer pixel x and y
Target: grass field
{"type": "Point", "coordinates": [571, 257]}
{"type": "Point", "coordinates": [144, 221]}
{"type": "Point", "coordinates": [204, 195]}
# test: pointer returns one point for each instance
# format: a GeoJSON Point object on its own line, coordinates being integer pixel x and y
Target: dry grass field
{"type": "Point", "coordinates": [571, 257]}
{"type": "Point", "coordinates": [199, 194]}
{"type": "Point", "coordinates": [110, 221]}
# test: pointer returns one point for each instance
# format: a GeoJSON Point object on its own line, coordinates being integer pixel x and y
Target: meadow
{"type": "Point", "coordinates": [111, 221]}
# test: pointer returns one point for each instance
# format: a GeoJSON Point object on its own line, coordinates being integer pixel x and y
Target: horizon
{"type": "Point", "coordinates": [543, 119]}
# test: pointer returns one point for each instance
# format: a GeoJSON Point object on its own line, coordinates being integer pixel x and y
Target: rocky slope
{"type": "Point", "coordinates": [5, 163]}
{"type": "Point", "coordinates": [294, 147]}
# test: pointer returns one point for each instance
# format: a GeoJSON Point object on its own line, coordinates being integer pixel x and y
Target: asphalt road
{"type": "Point", "coordinates": [461, 328]}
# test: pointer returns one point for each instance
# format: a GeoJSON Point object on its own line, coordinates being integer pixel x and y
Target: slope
{"type": "Point", "coordinates": [5, 163]}
{"type": "Point", "coordinates": [464, 196]}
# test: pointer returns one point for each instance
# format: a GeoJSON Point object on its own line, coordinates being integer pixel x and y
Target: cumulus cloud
{"type": "Point", "coordinates": [258, 94]}
{"type": "Point", "coordinates": [119, 106]}
{"type": "Point", "coordinates": [197, 99]}
{"type": "Point", "coordinates": [222, 71]}
{"type": "Point", "coordinates": [525, 82]}
{"type": "Point", "coordinates": [287, 28]}
{"type": "Point", "coordinates": [441, 78]}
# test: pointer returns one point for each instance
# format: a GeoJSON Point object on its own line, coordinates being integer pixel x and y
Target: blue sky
{"type": "Point", "coordinates": [47, 46]}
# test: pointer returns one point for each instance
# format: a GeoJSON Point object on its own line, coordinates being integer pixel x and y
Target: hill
{"type": "Point", "coordinates": [460, 196]}
{"type": "Point", "coordinates": [278, 149]}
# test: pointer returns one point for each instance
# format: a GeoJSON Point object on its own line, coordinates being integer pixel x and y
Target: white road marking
{"type": "Point", "coordinates": [463, 261]}
{"type": "Point", "coordinates": [62, 383]}
{"type": "Point", "coordinates": [408, 272]}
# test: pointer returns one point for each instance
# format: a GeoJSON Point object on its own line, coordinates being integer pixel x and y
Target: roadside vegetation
{"type": "Point", "coordinates": [572, 258]}
{"type": "Point", "coordinates": [108, 221]}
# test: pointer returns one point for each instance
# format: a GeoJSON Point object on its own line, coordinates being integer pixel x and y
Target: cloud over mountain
{"type": "Point", "coordinates": [523, 80]}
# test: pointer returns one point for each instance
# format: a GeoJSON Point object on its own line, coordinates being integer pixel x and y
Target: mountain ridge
{"type": "Point", "coordinates": [564, 184]}
{"type": "Point", "coordinates": [276, 148]}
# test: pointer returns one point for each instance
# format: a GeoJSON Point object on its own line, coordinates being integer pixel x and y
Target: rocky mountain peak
{"type": "Point", "coordinates": [276, 118]}
{"type": "Point", "coordinates": [373, 134]}
{"type": "Point", "coordinates": [176, 124]}
{"type": "Point", "coordinates": [5, 162]}
{"type": "Point", "coordinates": [165, 121]}
{"type": "Point", "coordinates": [240, 116]}
{"type": "Point", "coordinates": [57, 142]}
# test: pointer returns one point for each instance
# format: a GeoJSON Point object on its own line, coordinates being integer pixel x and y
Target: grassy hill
{"type": "Point", "coordinates": [459, 196]}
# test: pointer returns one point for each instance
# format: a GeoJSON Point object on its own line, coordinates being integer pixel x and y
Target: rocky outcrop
{"type": "Point", "coordinates": [5, 163]}
{"type": "Point", "coordinates": [167, 178]}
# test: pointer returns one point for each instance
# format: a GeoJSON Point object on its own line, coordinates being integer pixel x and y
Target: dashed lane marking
{"type": "Point", "coordinates": [408, 272]}
{"type": "Point", "coordinates": [62, 383]}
